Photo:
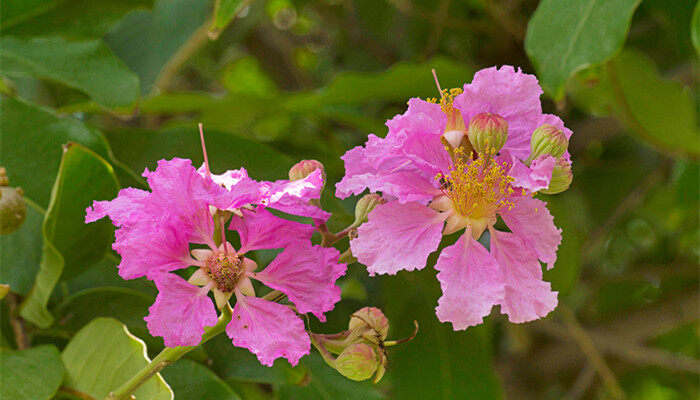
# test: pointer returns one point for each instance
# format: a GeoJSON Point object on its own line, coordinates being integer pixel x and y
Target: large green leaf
{"type": "Point", "coordinates": [73, 18]}
{"type": "Point", "coordinates": [103, 356]}
{"type": "Point", "coordinates": [20, 253]}
{"type": "Point", "coordinates": [192, 381]}
{"type": "Point", "coordinates": [140, 148]}
{"type": "Point", "coordinates": [439, 362]}
{"type": "Point", "coordinates": [565, 36]}
{"type": "Point", "coordinates": [147, 40]}
{"type": "Point", "coordinates": [70, 245]}
{"type": "Point", "coordinates": [661, 113]}
{"type": "Point", "coordinates": [89, 66]}
{"type": "Point", "coordinates": [31, 138]}
{"type": "Point", "coordinates": [695, 28]}
{"type": "Point", "coordinates": [32, 374]}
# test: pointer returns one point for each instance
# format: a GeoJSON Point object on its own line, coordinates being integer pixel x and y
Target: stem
{"type": "Point", "coordinates": [19, 328]}
{"type": "Point", "coordinates": [167, 357]}
{"type": "Point", "coordinates": [347, 257]}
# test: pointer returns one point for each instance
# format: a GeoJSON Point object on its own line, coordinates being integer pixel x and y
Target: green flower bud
{"type": "Point", "coordinates": [13, 210]}
{"type": "Point", "coordinates": [370, 319]}
{"type": "Point", "coordinates": [548, 139]}
{"type": "Point", "coordinates": [304, 168]}
{"type": "Point", "coordinates": [488, 132]}
{"type": "Point", "coordinates": [358, 362]}
{"type": "Point", "coordinates": [364, 206]}
{"type": "Point", "coordinates": [561, 178]}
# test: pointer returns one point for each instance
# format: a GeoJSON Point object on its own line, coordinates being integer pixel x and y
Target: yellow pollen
{"type": "Point", "coordinates": [478, 189]}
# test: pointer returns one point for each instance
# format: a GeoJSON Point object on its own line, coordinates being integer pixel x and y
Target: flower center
{"type": "Point", "coordinates": [478, 188]}
{"type": "Point", "coordinates": [225, 271]}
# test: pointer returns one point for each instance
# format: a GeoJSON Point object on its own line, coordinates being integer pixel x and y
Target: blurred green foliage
{"type": "Point", "coordinates": [274, 81]}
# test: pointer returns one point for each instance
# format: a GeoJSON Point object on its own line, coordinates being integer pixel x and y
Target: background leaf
{"type": "Point", "coordinates": [89, 66]}
{"type": "Point", "coordinates": [224, 12]}
{"type": "Point", "coordinates": [32, 374]}
{"type": "Point", "coordinates": [192, 381]}
{"type": "Point", "coordinates": [104, 355]}
{"type": "Point", "coordinates": [71, 246]}
{"type": "Point", "coordinates": [565, 36]}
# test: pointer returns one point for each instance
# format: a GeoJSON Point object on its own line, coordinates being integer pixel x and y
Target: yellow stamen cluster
{"type": "Point", "coordinates": [478, 189]}
{"type": "Point", "coordinates": [225, 271]}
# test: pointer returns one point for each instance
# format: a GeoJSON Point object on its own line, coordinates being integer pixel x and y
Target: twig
{"type": "Point", "coordinates": [438, 21]}
{"type": "Point", "coordinates": [75, 393]}
{"type": "Point", "coordinates": [19, 327]}
{"type": "Point", "coordinates": [588, 348]}
{"type": "Point", "coordinates": [581, 384]}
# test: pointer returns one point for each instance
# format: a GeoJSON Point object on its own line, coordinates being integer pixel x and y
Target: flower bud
{"type": "Point", "coordinates": [548, 139]}
{"type": "Point", "coordinates": [370, 318]}
{"type": "Point", "coordinates": [364, 206]}
{"type": "Point", "coordinates": [488, 132]}
{"type": "Point", "coordinates": [358, 362]}
{"type": "Point", "coordinates": [561, 178]}
{"type": "Point", "coordinates": [13, 210]}
{"type": "Point", "coordinates": [304, 168]}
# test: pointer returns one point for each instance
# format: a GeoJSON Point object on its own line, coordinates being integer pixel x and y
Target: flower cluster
{"type": "Point", "coordinates": [464, 163]}
{"type": "Point", "coordinates": [175, 226]}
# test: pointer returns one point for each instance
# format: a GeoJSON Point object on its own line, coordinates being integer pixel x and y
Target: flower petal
{"type": "Point", "coordinates": [292, 197]}
{"type": "Point", "coordinates": [260, 229]}
{"type": "Point", "coordinates": [269, 330]}
{"type": "Point", "coordinates": [532, 222]}
{"type": "Point", "coordinates": [397, 237]}
{"type": "Point", "coordinates": [307, 275]}
{"type": "Point", "coordinates": [527, 297]}
{"type": "Point", "coordinates": [471, 283]}
{"type": "Point", "coordinates": [150, 248]}
{"type": "Point", "coordinates": [509, 93]}
{"type": "Point", "coordinates": [535, 177]}
{"type": "Point", "coordinates": [126, 208]}
{"type": "Point", "coordinates": [181, 312]}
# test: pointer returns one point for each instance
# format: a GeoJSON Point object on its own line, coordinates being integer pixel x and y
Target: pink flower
{"type": "Point", "coordinates": [155, 230]}
{"type": "Point", "coordinates": [437, 184]}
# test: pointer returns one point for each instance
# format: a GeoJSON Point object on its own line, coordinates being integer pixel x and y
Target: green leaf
{"type": "Point", "coordinates": [439, 362]}
{"type": "Point", "coordinates": [140, 148]}
{"type": "Point", "coordinates": [103, 356]}
{"type": "Point", "coordinates": [695, 28]}
{"type": "Point", "coordinates": [326, 383]}
{"type": "Point", "coordinates": [71, 18]}
{"type": "Point", "coordinates": [126, 305]}
{"type": "Point", "coordinates": [70, 245]}
{"type": "Point", "coordinates": [32, 374]}
{"type": "Point", "coordinates": [661, 113]}
{"type": "Point", "coordinates": [21, 253]}
{"type": "Point", "coordinates": [89, 66]}
{"type": "Point", "coordinates": [147, 40]}
{"type": "Point", "coordinates": [224, 12]}
{"type": "Point", "coordinates": [565, 36]}
{"type": "Point", "coordinates": [31, 142]}
{"type": "Point", "coordinates": [193, 381]}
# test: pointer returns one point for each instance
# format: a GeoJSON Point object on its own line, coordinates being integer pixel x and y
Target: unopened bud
{"type": "Point", "coordinates": [304, 168]}
{"type": "Point", "coordinates": [13, 210]}
{"type": "Point", "coordinates": [370, 319]}
{"type": "Point", "coordinates": [364, 206]}
{"type": "Point", "coordinates": [488, 132]}
{"type": "Point", "coordinates": [358, 362]}
{"type": "Point", "coordinates": [548, 139]}
{"type": "Point", "coordinates": [561, 178]}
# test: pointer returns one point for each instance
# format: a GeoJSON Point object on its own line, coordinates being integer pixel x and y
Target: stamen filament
{"type": "Point", "coordinates": [204, 150]}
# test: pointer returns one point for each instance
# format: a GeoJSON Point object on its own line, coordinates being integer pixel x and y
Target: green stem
{"type": "Point", "coordinates": [166, 357]}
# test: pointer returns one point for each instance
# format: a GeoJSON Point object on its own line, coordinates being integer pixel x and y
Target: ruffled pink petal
{"type": "Point", "coordinates": [126, 208]}
{"type": "Point", "coordinates": [531, 221]}
{"type": "Point", "coordinates": [527, 297]}
{"type": "Point", "coordinates": [471, 283]}
{"type": "Point", "coordinates": [397, 237]}
{"type": "Point", "coordinates": [149, 248]}
{"type": "Point", "coordinates": [259, 229]}
{"type": "Point", "coordinates": [269, 330]}
{"type": "Point", "coordinates": [382, 166]}
{"type": "Point", "coordinates": [178, 190]}
{"type": "Point", "coordinates": [513, 95]}
{"type": "Point", "coordinates": [307, 275]}
{"type": "Point", "coordinates": [428, 153]}
{"type": "Point", "coordinates": [181, 312]}
{"type": "Point", "coordinates": [292, 197]}
{"type": "Point", "coordinates": [421, 116]}
{"type": "Point", "coordinates": [242, 190]}
{"type": "Point", "coordinates": [535, 177]}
